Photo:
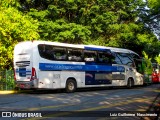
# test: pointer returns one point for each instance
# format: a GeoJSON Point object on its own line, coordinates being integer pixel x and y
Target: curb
{"type": "Point", "coordinates": [5, 92]}
{"type": "Point", "coordinates": [8, 92]}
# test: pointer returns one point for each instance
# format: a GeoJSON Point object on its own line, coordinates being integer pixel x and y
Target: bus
{"type": "Point", "coordinates": [53, 65]}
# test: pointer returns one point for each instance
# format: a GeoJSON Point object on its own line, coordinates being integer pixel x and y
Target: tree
{"type": "Point", "coordinates": [148, 65]}
{"type": "Point", "coordinates": [118, 23]}
{"type": "Point", "coordinates": [150, 15]}
{"type": "Point", "coordinates": [14, 27]}
{"type": "Point", "coordinates": [157, 58]}
{"type": "Point", "coordinates": [154, 16]}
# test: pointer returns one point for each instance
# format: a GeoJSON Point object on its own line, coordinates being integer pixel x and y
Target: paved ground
{"type": "Point", "coordinates": [98, 104]}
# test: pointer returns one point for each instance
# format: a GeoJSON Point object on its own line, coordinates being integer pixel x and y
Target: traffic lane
{"type": "Point", "coordinates": [117, 99]}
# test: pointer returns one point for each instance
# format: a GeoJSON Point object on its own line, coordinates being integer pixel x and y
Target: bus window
{"type": "Point", "coordinates": [74, 55]}
{"type": "Point", "coordinates": [106, 58]}
{"type": "Point", "coordinates": [125, 59]}
{"type": "Point", "coordinates": [117, 60]}
{"type": "Point", "coordinates": [60, 53]}
{"type": "Point", "coordinates": [52, 53]}
{"type": "Point", "coordinates": [90, 56]}
{"type": "Point", "coordinates": [46, 51]}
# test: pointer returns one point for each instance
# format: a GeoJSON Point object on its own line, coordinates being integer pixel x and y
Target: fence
{"type": "Point", "coordinates": [7, 80]}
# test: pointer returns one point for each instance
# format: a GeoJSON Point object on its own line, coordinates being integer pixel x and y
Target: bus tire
{"type": "Point", "coordinates": [71, 86]}
{"type": "Point", "coordinates": [130, 83]}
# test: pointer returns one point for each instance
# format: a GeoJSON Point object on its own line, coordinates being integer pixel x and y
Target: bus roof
{"type": "Point", "coordinates": [114, 49]}
{"type": "Point", "coordinates": [59, 44]}
{"type": "Point", "coordinates": [81, 46]}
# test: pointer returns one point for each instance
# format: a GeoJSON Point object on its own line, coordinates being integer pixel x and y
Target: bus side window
{"type": "Point", "coordinates": [46, 51]}
{"type": "Point", "coordinates": [60, 54]}
{"type": "Point", "coordinates": [105, 58]}
{"type": "Point", "coordinates": [74, 55]}
{"type": "Point", "coordinates": [117, 59]}
{"type": "Point", "coordinates": [90, 56]}
{"type": "Point", "coordinates": [125, 59]}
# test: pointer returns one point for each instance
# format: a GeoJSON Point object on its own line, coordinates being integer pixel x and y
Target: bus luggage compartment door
{"type": "Point", "coordinates": [49, 79]}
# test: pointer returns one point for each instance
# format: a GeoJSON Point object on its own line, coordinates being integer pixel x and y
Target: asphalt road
{"type": "Point", "coordinates": [100, 104]}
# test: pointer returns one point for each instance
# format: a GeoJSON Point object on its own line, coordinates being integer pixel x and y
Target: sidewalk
{"type": "Point", "coordinates": [3, 92]}
{"type": "Point", "coordinates": [154, 108]}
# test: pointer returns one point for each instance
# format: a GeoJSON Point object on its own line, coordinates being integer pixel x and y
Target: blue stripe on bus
{"type": "Point", "coordinates": [54, 66]}
{"type": "Point", "coordinates": [96, 49]}
{"type": "Point", "coordinates": [22, 71]}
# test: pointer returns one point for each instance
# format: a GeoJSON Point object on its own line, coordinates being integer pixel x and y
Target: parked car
{"type": "Point", "coordinates": [156, 73]}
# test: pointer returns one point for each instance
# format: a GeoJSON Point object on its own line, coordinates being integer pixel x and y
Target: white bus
{"type": "Point", "coordinates": [52, 65]}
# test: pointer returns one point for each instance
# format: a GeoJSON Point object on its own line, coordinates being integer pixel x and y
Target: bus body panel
{"type": "Point", "coordinates": [23, 64]}
{"type": "Point", "coordinates": [78, 76]}
{"type": "Point", "coordinates": [132, 73]}
{"type": "Point", "coordinates": [138, 78]}
{"type": "Point", "coordinates": [23, 61]}
{"type": "Point", "coordinates": [49, 79]}
{"type": "Point", "coordinates": [57, 79]}
{"type": "Point", "coordinates": [127, 74]}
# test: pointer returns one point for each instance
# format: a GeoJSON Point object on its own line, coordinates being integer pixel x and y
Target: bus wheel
{"type": "Point", "coordinates": [130, 83]}
{"type": "Point", "coordinates": [71, 85]}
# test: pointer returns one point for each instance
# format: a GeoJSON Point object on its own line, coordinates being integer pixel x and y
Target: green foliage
{"type": "Point", "coordinates": [115, 22]}
{"type": "Point", "coordinates": [151, 16]}
{"type": "Point", "coordinates": [14, 27]}
{"type": "Point", "coordinates": [7, 80]}
{"type": "Point", "coordinates": [118, 23]}
{"type": "Point", "coordinates": [157, 58]}
{"type": "Point", "coordinates": [9, 3]}
{"type": "Point", "coordinates": [64, 32]}
{"type": "Point", "coordinates": [147, 66]}
{"type": "Point", "coordinates": [154, 5]}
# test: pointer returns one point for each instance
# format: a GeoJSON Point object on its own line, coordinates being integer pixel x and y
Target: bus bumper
{"type": "Point", "coordinates": [25, 85]}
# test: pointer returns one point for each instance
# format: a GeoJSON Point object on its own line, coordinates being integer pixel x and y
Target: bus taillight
{"type": "Point", "coordinates": [33, 75]}
{"type": "Point", "coordinates": [14, 74]}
